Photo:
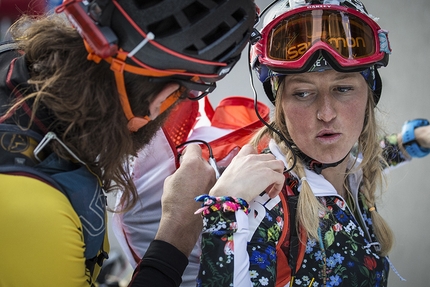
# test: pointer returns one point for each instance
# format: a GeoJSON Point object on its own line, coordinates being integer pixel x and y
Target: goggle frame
{"type": "Point", "coordinates": [337, 61]}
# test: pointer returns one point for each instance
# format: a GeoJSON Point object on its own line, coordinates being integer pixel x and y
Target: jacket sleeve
{"type": "Point", "coordinates": [162, 265]}
{"type": "Point", "coordinates": [224, 260]}
{"type": "Point", "coordinates": [240, 250]}
{"type": "Point", "coordinates": [392, 152]}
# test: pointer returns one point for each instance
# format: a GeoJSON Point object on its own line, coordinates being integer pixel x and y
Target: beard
{"type": "Point", "coordinates": [146, 133]}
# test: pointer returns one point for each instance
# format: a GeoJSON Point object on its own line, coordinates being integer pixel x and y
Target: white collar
{"type": "Point", "coordinates": [319, 185]}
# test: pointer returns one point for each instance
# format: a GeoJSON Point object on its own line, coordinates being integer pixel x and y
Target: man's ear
{"type": "Point", "coordinates": [154, 106]}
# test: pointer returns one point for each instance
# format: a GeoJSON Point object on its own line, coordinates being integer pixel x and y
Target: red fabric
{"type": "Point", "coordinates": [209, 110]}
{"type": "Point", "coordinates": [235, 112]}
{"type": "Point", "coordinates": [180, 122]}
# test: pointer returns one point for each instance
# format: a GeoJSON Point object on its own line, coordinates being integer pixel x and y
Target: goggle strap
{"type": "Point", "coordinates": [121, 56]}
{"type": "Point", "coordinates": [150, 71]}
{"type": "Point", "coordinates": [384, 42]}
{"type": "Point", "coordinates": [117, 66]}
{"type": "Point", "coordinates": [136, 123]}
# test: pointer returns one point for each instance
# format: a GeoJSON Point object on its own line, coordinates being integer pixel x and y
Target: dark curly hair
{"type": "Point", "coordinates": [83, 102]}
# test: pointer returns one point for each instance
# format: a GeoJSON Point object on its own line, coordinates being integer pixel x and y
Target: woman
{"type": "Point", "coordinates": [71, 113]}
{"type": "Point", "coordinates": [318, 62]}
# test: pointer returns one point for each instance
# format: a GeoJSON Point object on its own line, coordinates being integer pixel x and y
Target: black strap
{"type": "Point", "coordinates": [99, 259]}
{"type": "Point", "coordinates": [313, 164]}
{"type": "Point", "coordinates": [292, 196]}
{"type": "Point", "coordinates": [293, 253]}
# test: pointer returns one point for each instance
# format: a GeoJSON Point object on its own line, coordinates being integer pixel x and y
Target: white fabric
{"type": "Point", "coordinates": [319, 185]}
{"type": "Point", "coordinates": [241, 277]}
{"type": "Point", "coordinates": [208, 133]}
{"type": "Point", "coordinates": [140, 224]}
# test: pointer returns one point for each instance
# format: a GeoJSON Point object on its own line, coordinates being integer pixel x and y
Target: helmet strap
{"type": "Point", "coordinates": [311, 163]}
{"type": "Point", "coordinates": [134, 123]}
{"type": "Point", "coordinates": [118, 66]}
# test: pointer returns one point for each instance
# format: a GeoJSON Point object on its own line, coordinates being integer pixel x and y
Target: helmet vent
{"type": "Point", "coordinates": [223, 28]}
{"type": "Point", "coordinates": [145, 4]}
{"type": "Point", "coordinates": [165, 27]}
{"type": "Point", "coordinates": [210, 38]}
{"type": "Point", "coordinates": [195, 34]}
{"type": "Point", "coordinates": [217, 33]}
{"type": "Point", "coordinates": [195, 11]}
{"type": "Point", "coordinates": [227, 52]}
{"type": "Point", "coordinates": [239, 15]}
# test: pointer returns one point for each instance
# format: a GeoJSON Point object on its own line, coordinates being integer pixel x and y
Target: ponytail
{"type": "Point", "coordinates": [373, 177]}
{"type": "Point", "coordinates": [309, 208]}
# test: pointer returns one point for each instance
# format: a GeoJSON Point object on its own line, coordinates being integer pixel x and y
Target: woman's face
{"type": "Point", "coordinates": [324, 112]}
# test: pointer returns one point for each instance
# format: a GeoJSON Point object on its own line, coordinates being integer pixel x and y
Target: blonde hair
{"type": "Point", "coordinates": [309, 207]}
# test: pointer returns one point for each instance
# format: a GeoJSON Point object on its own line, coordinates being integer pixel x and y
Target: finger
{"type": "Point", "coordinates": [191, 150]}
{"type": "Point", "coordinates": [246, 149]}
{"type": "Point", "coordinates": [265, 157]}
{"type": "Point", "coordinates": [275, 165]}
{"type": "Point", "coordinates": [274, 189]}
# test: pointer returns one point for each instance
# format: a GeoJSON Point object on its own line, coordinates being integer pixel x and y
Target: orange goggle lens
{"type": "Point", "coordinates": [348, 35]}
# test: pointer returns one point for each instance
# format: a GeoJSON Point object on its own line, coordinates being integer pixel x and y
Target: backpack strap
{"type": "Point", "coordinates": [8, 46]}
{"type": "Point", "coordinates": [16, 154]}
{"type": "Point", "coordinates": [291, 247]}
{"type": "Point", "coordinates": [97, 260]}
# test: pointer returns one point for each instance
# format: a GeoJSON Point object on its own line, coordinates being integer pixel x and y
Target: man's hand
{"type": "Point", "coordinates": [179, 225]}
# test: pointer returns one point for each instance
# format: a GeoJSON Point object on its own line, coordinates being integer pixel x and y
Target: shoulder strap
{"type": "Point", "coordinates": [8, 46]}
{"type": "Point", "coordinates": [290, 248]}
{"type": "Point", "coordinates": [16, 153]}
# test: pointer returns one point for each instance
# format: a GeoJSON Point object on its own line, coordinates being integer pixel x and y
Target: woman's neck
{"type": "Point", "coordinates": [336, 176]}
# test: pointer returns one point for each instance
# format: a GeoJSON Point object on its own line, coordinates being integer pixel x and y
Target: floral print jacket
{"type": "Point", "coordinates": [241, 250]}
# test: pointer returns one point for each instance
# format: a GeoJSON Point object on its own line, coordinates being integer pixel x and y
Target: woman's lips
{"type": "Point", "coordinates": [328, 137]}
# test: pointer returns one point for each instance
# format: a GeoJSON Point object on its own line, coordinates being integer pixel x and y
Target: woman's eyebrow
{"type": "Point", "coordinates": [297, 79]}
{"type": "Point", "coordinates": [343, 76]}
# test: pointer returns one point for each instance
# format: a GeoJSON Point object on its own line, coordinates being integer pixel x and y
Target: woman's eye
{"type": "Point", "coordinates": [343, 89]}
{"type": "Point", "coordinates": [301, 94]}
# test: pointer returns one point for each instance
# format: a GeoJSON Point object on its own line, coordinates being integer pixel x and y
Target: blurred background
{"type": "Point", "coordinates": [10, 10]}
{"type": "Point", "coordinates": [405, 96]}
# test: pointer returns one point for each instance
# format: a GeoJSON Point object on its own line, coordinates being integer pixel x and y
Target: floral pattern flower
{"type": "Point", "coordinates": [347, 258]}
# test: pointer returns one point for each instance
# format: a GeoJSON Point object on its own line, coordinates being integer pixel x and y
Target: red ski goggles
{"type": "Point", "coordinates": [349, 40]}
